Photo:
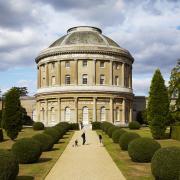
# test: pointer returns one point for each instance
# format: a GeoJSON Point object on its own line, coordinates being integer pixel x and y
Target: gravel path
{"type": "Point", "coordinates": [88, 162]}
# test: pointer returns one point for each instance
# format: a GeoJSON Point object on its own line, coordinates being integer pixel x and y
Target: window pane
{"type": "Point", "coordinates": [67, 64]}
{"type": "Point", "coordinates": [84, 62]}
{"type": "Point", "coordinates": [101, 63]}
{"type": "Point", "coordinates": [84, 79]}
{"type": "Point", "coordinates": [102, 79]}
{"type": "Point", "coordinates": [67, 79]}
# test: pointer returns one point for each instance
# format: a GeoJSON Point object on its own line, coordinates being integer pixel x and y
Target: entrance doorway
{"type": "Point", "coordinates": [85, 116]}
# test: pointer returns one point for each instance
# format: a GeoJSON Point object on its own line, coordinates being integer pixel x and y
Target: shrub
{"type": "Point", "coordinates": [134, 125]}
{"type": "Point", "coordinates": [105, 126]}
{"type": "Point", "coordinates": [27, 150]}
{"type": "Point", "coordinates": [53, 133]}
{"type": "Point", "coordinates": [45, 140]}
{"type": "Point", "coordinates": [117, 134]}
{"type": "Point", "coordinates": [142, 149]}
{"type": "Point", "coordinates": [9, 166]}
{"type": "Point", "coordinates": [1, 135]}
{"type": "Point", "coordinates": [74, 126]}
{"type": "Point", "coordinates": [96, 125]}
{"type": "Point", "coordinates": [38, 126]}
{"type": "Point", "coordinates": [175, 134]}
{"type": "Point", "coordinates": [126, 138]}
{"type": "Point", "coordinates": [111, 130]}
{"type": "Point", "coordinates": [165, 164]}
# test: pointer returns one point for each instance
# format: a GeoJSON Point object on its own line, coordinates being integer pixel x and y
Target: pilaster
{"type": "Point", "coordinates": [94, 108]}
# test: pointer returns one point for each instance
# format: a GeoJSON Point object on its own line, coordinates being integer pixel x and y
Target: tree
{"type": "Point", "coordinates": [22, 91]}
{"type": "Point", "coordinates": [158, 106]}
{"type": "Point", "coordinates": [12, 116]}
{"type": "Point", "coordinates": [174, 92]}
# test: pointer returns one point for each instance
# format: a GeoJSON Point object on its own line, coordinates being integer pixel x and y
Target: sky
{"type": "Point", "coordinates": [149, 29]}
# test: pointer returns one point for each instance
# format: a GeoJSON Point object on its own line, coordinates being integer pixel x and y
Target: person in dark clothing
{"type": "Point", "coordinates": [100, 138]}
{"type": "Point", "coordinates": [83, 137]}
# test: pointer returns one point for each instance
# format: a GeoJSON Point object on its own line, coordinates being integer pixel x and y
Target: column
{"type": "Point", "coordinates": [59, 110]}
{"type": "Point", "coordinates": [46, 114]}
{"type": "Point", "coordinates": [47, 75]}
{"type": "Point", "coordinates": [122, 74]}
{"type": "Point", "coordinates": [111, 110]}
{"type": "Point", "coordinates": [94, 72]}
{"type": "Point", "coordinates": [123, 111]}
{"type": "Point", "coordinates": [76, 72]}
{"type": "Point", "coordinates": [111, 73]}
{"type": "Point", "coordinates": [130, 112]}
{"type": "Point", "coordinates": [39, 78]}
{"type": "Point", "coordinates": [94, 109]}
{"type": "Point", "coordinates": [38, 111]}
{"type": "Point", "coordinates": [131, 77]}
{"type": "Point", "coordinates": [76, 109]}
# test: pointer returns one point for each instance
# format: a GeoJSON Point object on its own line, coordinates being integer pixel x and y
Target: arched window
{"type": "Point", "coordinates": [103, 114]}
{"type": "Point", "coordinates": [53, 80]}
{"type": "Point", "coordinates": [85, 115]}
{"type": "Point", "coordinates": [67, 114]}
{"type": "Point", "coordinates": [53, 115]}
{"type": "Point", "coordinates": [42, 114]}
{"type": "Point", "coordinates": [84, 78]}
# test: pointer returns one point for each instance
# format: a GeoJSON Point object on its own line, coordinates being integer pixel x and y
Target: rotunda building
{"type": "Point", "coordinates": [84, 76]}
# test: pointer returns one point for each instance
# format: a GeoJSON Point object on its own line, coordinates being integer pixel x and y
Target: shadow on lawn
{"type": "Point", "coordinates": [42, 160]}
{"type": "Point", "coordinates": [25, 178]}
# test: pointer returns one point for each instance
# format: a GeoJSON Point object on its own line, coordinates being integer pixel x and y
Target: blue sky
{"type": "Point", "coordinates": [149, 29]}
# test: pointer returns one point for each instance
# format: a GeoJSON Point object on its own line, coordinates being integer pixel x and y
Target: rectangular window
{"type": "Point", "coordinates": [102, 63]}
{"type": "Point", "coordinates": [116, 80]}
{"type": "Point", "coordinates": [67, 64]}
{"type": "Point", "coordinates": [53, 66]}
{"type": "Point", "coordinates": [84, 79]}
{"type": "Point", "coordinates": [84, 63]}
{"type": "Point", "coordinates": [116, 65]}
{"type": "Point", "coordinates": [102, 79]}
{"type": "Point", "coordinates": [67, 79]}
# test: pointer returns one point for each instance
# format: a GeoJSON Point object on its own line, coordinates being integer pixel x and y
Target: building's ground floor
{"type": "Point", "coordinates": [85, 108]}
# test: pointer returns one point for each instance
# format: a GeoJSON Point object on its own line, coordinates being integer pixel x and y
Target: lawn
{"type": "Point", "coordinates": [132, 170]}
{"type": "Point", "coordinates": [39, 170]}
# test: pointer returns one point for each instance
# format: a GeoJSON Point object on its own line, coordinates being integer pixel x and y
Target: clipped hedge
{"type": "Point", "coordinates": [165, 164]}
{"type": "Point", "coordinates": [142, 149]}
{"type": "Point", "coordinates": [105, 125]}
{"type": "Point", "coordinates": [134, 125]}
{"type": "Point", "coordinates": [96, 125]}
{"type": "Point", "coordinates": [74, 126]}
{"type": "Point", "coordinates": [45, 140]}
{"type": "Point", "coordinates": [111, 130]}
{"type": "Point", "coordinates": [27, 150]}
{"type": "Point", "coordinates": [117, 134]}
{"type": "Point", "coordinates": [53, 133]}
{"type": "Point", "coordinates": [9, 167]}
{"type": "Point", "coordinates": [38, 126]}
{"type": "Point", "coordinates": [1, 135]}
{"type": "Point", "coordinates": [126, 138]}
{"type": "Point", "coordinates": [175, 134]}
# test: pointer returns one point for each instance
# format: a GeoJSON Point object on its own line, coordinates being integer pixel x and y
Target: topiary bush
{"type": "Point", "coordinates": [45, 140]}
{"type": "Point", "coordinates": [74, 126]}
{"type": "Point", "coordinates": [96, 125]}
{"type": "Point", "coordinates": [27, 150]}
{"type": "Point", "coordinates": [111, 130]}
{"type": "Point", "coordinates": [165, 164]}
{"type": "Point", "coordinates": [9, 167]}
{"type": "Point", "coordinates": [126, 138]}
{"type": "Point", "coordinates": [142, 149]}
{"type": "Point", "coordinates": [134, 125]}
{"type": "Point", "coordinates": [117, 134]}
{"type": "Point", "coordinates": [38, 126]}
{"type": "Point", "coordinates": [105, 125]}
{"type": "Point", "coordinates": [1, 135]}
{"type": "Point", "coordinates": [53, 133]}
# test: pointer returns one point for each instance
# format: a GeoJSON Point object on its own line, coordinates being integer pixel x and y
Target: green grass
{"type": "Point", "coordinates": [130, 169]}
{"type": "Point", "coordinates": [40, 169]}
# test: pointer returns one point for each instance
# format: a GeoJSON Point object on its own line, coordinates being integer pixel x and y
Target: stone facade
{"type": "Point", "coordinates": [84, 76]}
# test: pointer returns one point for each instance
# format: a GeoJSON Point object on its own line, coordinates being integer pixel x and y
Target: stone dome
{"type": "Point", "coordinates": [84, 35]}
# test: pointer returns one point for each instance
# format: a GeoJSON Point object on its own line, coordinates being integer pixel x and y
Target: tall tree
{"type": "Point", "coordinates": [12, 116]}
{"type": "Point", "coordinates": [158, 106]}
{"type": "Point", "coordinates": [22, 91]}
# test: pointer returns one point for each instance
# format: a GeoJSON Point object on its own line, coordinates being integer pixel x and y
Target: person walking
{"type": "Point", "coordinates": [83, 137]}
{"type": "Point", "coordinates": [100, 138]}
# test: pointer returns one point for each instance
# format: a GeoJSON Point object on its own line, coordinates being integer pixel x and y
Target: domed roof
{"type": "Point", "coordinates": [84, 35]}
